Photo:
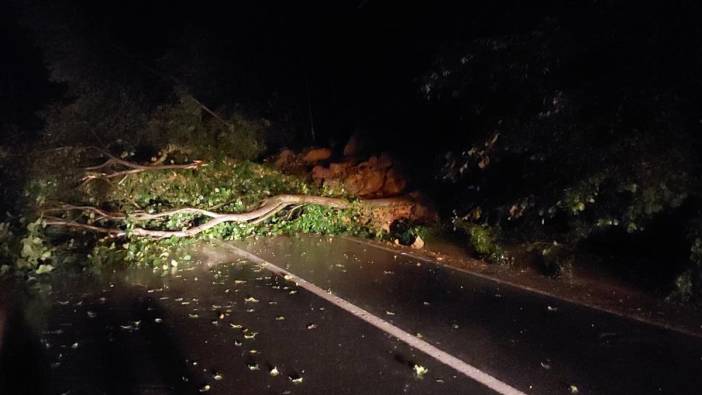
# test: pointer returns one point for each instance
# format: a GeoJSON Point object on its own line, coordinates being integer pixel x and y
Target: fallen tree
{"type": "Point", "coordinates": [121, 224]}
{"type": "Point", "coordinates": [269, 208]}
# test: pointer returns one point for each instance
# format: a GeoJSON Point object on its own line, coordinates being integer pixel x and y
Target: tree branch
{"type": "Point", "coordinates": [53, 221]}
{"type": "Point", "coordinates": [92, 171]}
{"type": "Point", "coordinates": [265, 211]}
{"type": "Point", "coordinates": [69, 207]}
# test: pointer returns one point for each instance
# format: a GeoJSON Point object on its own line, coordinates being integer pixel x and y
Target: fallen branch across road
{"type": "Point", "coordinates": [268, 209]}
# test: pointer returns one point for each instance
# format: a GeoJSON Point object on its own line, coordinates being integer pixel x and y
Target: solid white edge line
{"type": "Point", "coordinates": [525, 288]}
{"type": "Point", "coordinates": [447, 359]}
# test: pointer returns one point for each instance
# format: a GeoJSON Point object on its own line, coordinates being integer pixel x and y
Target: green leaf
{"type": "Point", "coordinates": [44, 268]}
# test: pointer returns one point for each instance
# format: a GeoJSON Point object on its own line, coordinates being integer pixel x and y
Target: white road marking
{"type": "Point", "coordinates": [523, 287]}
{"type": "Point", "coordinates": [447, 359]}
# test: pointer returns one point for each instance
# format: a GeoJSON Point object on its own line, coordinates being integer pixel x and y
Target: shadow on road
{"type": "Point", "coordinates": [92, 345]}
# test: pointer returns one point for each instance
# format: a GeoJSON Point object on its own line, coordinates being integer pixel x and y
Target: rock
{"type": "Point", "coordinates": [340, 170]}
{"type": "Point", "coordinates": [375, 177]}
{"type": "Point", "coordinates": [321, 174]}
{"type": "Point", "coordinates": [418, 243]}
{"type": "Point", "coordinates": [365, 182]}
{"type": "Point", "coordinates": [285, 159]}
{"type": "Point", "coordinates": [372, 161]}
{"type": "Point", "coordinates": [423, 211]}
{"type": "Point", "coordinates": [353, 147]}
{"type": "Point", "coordinates": [385, 161]}
{"type": "Point", "coordinates": [394, 183]}
{"type": "Point", "coordinates": [317, 155]}
{"type": "Point", "coordinates": [373, 180]}
{"type": "Point", "coordinates": [385, 217]}
{"type": "Point", "coordinates": [335, 171]}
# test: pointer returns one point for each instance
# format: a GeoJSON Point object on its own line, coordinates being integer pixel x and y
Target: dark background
{"type": "Point", "coordinates": [359, 64]}
{"type": "Point", "coordinates": [575, 90]}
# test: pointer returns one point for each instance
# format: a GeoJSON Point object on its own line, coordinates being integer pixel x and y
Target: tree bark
{"type": "Point", "coordinates": [269, 208]}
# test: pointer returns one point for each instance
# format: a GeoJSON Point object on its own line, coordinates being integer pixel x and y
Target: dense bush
{"type": "Point", "coordinates": [565, 139]}
{"type": "Point", "coordinates": [223, 183]}
{"type": "Point", "coordinates": [187, 124]}
{"type": "Point", "coordinates": [124, 120]}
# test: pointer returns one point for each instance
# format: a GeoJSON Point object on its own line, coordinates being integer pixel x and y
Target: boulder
{"type": "Point", "coordinates": [285, 159]}
{"type": "Point", "coordinates": [353, 146]}
{"type": "Point", "coordinates": [394, 183]}
{"type": "Point", "coordinates": [317, 155]}
{"type": "Point", "coordinates": [423, 211]}
{"type": "Point", "coordinates": [320, 174]}
{"type": "Point", "coordinates": [384, 161]}
{"type": "Point", "coordinates": [340, 170]}
{"type": "Point", "coordinates": [365, 181]}
{"type": "Point", "coordinates": [375, 177]}
{"type": "Point", "coordinates": [372, 161]}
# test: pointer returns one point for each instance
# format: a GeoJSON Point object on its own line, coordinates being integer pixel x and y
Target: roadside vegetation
{"type": "Point", "coordinates": [552, 141]}
{"type": "Point", "coordinates": [109, 208]}
{"type": "Point", "coordinates": [602, 169]}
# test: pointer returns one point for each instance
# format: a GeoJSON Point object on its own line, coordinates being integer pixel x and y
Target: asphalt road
{"type": "Point", "coordinates": [238, 328]}
{"type": "Point", "coordinates": [535, 343]}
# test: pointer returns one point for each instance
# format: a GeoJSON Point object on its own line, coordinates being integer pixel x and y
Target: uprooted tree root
{"type": "Point", "coordinates": [265, 211]}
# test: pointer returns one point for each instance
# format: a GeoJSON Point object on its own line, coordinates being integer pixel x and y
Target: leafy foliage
{"type": "Point", "coordinates": [231, 185]}
{"type": "Point", "coordinates": [29, 252]}
{"type": "Point", "coordinates": [483, 241]}
{"type": "Point", "coordinates": [124, 120]}
{"type": "Point", "coordinates": [549, 157]}
{"type": "Point", "coordinates": [223, 184]}
{"type": "Point", "coordinates": [188, 124]}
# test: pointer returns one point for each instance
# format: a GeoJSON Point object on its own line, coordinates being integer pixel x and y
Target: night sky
{"type": "Point", "coordinates": [358, 63]}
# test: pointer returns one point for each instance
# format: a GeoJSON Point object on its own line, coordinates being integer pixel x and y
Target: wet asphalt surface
{"type": "Point", "coordinates": [234, 328]}
{"type": "Point", "coordinates": [230, 329]}
{"type": "Point", "coordinates": [534, 343]}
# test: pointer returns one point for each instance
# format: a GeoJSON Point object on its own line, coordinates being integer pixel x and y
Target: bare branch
{"type": "Point", "coordinates": [93, 173]}
{"type": "Point", "coordinates": [98, 211]}
{"type": "Point", "coordinates": [142, 216]}
{"type": "Point", "coordinates": [268, 209]}
{"type": "Point", "coordinates": [269, 215]}
{"type": "Point", "coordinates": [52, 221]}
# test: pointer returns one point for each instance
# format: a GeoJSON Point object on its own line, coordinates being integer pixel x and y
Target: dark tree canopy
{"type": "Point", "coordinates": [529, 124]}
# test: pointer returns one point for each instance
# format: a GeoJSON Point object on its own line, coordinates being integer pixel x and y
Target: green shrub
{"type": "Point", "coordinates": [187, 125]}
{"type": "Point", "coordinates": [483, 240]}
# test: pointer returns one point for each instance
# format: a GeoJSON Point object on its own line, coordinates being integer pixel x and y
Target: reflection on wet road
{"type": "Point", "coordinates": [229, 326]}
{"type": "Point", "coordinates": [532, 342]}
{"type": "Point", "coordinates": [233, 328]}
